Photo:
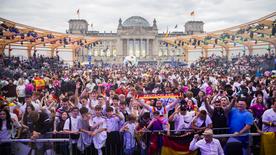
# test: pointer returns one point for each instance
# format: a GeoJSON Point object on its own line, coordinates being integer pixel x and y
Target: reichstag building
{"type": "Point", "coordinates": [135, 36]}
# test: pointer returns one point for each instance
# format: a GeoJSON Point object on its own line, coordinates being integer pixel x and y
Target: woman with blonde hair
{"type": "Point", "coordinates": [20, 91]}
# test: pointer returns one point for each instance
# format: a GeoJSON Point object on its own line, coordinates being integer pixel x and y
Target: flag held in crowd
{"type": "Point", "coordinates": [177, 145]}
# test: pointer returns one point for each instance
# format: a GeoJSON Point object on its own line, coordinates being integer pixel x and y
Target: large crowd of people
{"type": "Point", "coordinates": [114, 109]}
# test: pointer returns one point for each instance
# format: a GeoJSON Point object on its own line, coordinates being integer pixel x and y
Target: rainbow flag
{"type": "Point", "coordinates": [177, 145]}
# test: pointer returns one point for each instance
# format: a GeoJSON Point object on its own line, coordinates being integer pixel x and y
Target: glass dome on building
{"type": "Point", "coordinates": [136, 21]}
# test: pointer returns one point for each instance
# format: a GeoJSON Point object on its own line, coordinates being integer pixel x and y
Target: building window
{"type": "Point", "coordinates": [95, 52]}
{"type": "Point", "coordinates": [108, 53]}
{"type": "Point", "coordinates": [102, 52]}
{"type": "Point", "coordinates": [114, 52]}
{"type": "Point", "coordinates": [137, 48]}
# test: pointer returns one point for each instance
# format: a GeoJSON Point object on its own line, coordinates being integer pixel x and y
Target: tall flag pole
{"type": "Point", "coordinates": [78, 13]}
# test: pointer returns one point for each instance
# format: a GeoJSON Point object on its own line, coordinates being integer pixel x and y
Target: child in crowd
{"type": "Point", "coordinates": [98, 127]}
{"type": "Point", "coordinates": [129, 135]}
{"type": "Point", "coordinates": [114, 123]}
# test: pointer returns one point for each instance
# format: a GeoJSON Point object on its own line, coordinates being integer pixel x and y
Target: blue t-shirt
{"type": "Point", "coordinates": [238, 119]}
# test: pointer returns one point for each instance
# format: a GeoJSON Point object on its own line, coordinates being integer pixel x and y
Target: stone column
{"type": "Point", "coordinates": [147, 51]}
{"type": "Point", "coordinates": [140, 47]}
{"type": "Point", "coordinates": [133, 47]}
{"type": "Point", "coordinates": [127, 48]}
{"type": "Point", "coordinates": [110, 48]}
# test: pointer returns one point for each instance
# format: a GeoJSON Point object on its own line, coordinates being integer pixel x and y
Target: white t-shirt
{"type": "Point", "coordinates": [96, 120]}
{"type": "Point", "coordinates": [36, 106]}
{"type": "Point", "coordinates": [113, 123]}
{"type": "Point", "coordinates": [269, 116]}
{"type": "Point", "coordinates": [236, 85]}
{"type": "Point", "coordinates": [74, 123]}
{"type": "Point", "coordinates": [93, 102]}
{"type": "Point", "coordinates": [182, 121]}
{"type": "Point", "coordinates": [21, 90]}
{"type": "Point", "coordinates": [203, 87]}
{"type": "Point", "coordinates": [199, 122]}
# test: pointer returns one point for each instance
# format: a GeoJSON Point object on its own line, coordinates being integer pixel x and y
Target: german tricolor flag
{"type": "Point", "coordinates": [177, 145]}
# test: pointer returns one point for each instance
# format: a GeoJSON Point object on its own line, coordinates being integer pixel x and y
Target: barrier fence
{"type": "Point", "coordinates": [114, 144]}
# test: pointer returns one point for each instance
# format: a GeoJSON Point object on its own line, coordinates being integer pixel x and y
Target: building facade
{"type": "Point", "coordinates": [194, 27]}
{"type": "Point", "coordinates": [134, 37]}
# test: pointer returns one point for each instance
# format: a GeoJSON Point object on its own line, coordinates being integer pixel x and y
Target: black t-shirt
{"type": "Point", "coordinates": [219, 119]}
{"type": "Point", "coordinates": [195, 91]}
{"type": "Point", "coordinates": [9, 90]}
{"type": "Point", "coordinates": [43, 124]}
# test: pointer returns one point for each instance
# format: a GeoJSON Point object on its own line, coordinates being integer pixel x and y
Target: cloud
{"type": "Point", "coordinates": [104, 14]}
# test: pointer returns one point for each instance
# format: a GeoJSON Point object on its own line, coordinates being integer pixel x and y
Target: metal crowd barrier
{"type": "Point", "coordinates": [68, 143]}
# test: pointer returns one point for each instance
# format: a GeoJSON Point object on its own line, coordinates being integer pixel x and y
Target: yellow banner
{"type": "Point", "coordinates": [268, 143]}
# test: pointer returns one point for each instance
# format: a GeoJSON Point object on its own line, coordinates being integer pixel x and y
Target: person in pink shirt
{"type": "Point", "coordinates": [209, 89]}
{"type": "Point", "coordinates": [258, 108]}
{"type": "Point", "coordinates": [185, 89]}
{"type": "Point", "coordinates": [29, 88]}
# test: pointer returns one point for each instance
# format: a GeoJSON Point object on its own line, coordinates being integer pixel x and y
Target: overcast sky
{"type": "Point", "coordinates": [104, 14]}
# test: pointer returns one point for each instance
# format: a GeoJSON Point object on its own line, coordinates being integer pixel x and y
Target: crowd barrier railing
{"type": "Point", "coordinates": [69, 141]}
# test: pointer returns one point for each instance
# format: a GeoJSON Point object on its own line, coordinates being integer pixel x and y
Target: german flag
{"type": "Point", "coordinates": [177, 145]}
